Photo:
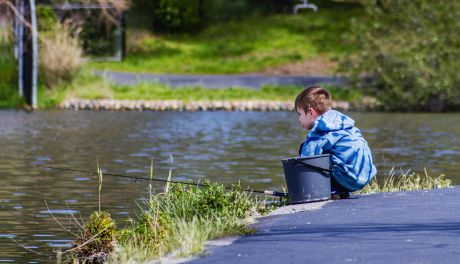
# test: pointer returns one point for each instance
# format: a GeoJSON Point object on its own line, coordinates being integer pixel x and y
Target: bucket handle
{"type": "Point", "coordinates": [321, 169]}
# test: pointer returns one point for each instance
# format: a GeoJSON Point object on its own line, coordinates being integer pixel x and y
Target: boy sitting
{"type": "Point", "coordinates": [334, 133]}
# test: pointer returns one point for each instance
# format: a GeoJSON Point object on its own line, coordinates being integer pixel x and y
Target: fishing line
{"type": "Point", "coordinates": [266, 192]}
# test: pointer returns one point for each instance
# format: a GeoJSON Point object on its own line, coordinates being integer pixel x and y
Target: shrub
{"type": "Point", "coordinates": [60, 56]}
{"type": "Point", "coordinates": [410, 51]}
{"type": "Point", "coordinates": [46, 18]}
{"type": "Point", "coordinates": [174, 15]}
{"type": "Point", "coordinates": [97, 239]}
{"type": "Point", "coordinates": [187, 15]}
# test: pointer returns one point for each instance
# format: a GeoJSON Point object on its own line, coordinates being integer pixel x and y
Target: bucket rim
{"type": "Point", "coordinates": [307, 157]}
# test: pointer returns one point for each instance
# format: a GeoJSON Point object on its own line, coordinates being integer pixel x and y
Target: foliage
{"type": "Point", "coordinates": [96, 240]}
{"type": "Point", "coordinates": [60, 56]}
{"type": "Point", "coordinates": [46, 18]}
{"type": "Point", "coordinates": [172, 15]}
{"type": "Point", "coordinates": [97, 36]}
{"type": "Point", "coordinates": [409, 50]}
{"type": "Point", "coordinates": [406, 181]}
{"type": "Point", "coordinates": [191, 15]}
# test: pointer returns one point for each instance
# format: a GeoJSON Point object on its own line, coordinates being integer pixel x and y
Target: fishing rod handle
{"type": "Point", "coordinates": [275, 193]}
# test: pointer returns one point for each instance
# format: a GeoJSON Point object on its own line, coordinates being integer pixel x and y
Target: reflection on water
{"type": "Point", "coordinates": [221, 146]}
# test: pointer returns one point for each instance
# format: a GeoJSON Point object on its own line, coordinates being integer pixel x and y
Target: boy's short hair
{"type": "Point", "coordinates": [314, 97]}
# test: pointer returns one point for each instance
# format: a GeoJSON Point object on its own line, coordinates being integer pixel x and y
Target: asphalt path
{"type": "Point", "coordinates": [219, 81]}
{"type": "Point", "coordinates": [403, 227]}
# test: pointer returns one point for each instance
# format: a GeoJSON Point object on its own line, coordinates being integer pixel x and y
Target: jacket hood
{"type": "Point", "coordinates": [332, 121]}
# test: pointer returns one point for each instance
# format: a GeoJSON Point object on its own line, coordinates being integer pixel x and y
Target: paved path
{"type": "Point", "coordinates": [406, 227]}
{"type": "Point", "coordinates": [219, 81]}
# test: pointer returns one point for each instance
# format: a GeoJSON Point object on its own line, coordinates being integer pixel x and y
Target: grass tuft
{"type": "Point", "coordinates": [96, 240]}
{"type": "Point", "coordinates": [406, 181]}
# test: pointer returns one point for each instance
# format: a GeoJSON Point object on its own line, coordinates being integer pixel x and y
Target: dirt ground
{"type": "Point", "coordinates": [318, 66]}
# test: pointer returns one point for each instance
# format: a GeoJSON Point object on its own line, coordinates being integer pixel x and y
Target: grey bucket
{"type": "Point", "coordinates": [308, 179]}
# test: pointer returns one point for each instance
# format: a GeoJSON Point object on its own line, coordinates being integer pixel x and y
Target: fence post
{"type": "Point", "coordinates": [30, 55]}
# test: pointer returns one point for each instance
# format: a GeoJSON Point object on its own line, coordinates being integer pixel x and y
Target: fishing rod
{"type": "Point", "coordinates": [266, 192]}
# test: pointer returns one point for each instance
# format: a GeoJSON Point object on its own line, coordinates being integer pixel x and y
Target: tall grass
{"type": "Point", "coordinates": [61, 56]}
{"type": "Point", "coordinates": [405, 181]}
{"type": "Point", "coordinates": [184, 218]}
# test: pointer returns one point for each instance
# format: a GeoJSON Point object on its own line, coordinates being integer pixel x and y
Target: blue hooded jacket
{"type": "Point", "coordinates": [334, 133]}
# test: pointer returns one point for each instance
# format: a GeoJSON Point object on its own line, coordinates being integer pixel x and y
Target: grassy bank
{"type": "Point", "coordinates": [249, 45]}
{"type": "Point", "coordinates": [88, 86]}
{"type": "Point", "coordinates": [178, 221]}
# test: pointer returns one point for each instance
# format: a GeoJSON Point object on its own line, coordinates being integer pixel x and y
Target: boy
{"type": "Point", "coordinates": [331, 132]}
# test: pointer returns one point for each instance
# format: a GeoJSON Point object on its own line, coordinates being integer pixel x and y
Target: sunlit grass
{"type": "Point", "coordinates": [248, 45]}
{"type": "Point", "coordinates": [405, 181]}
{"type": "Point", "coordinates": [89, 86]}
{"type": "Point", "coordinates": [180, 221]}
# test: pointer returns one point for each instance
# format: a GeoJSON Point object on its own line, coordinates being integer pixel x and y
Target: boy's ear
{"type": "Point", "coordinates": [312, 112]}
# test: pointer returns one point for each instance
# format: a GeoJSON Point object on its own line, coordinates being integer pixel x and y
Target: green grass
{"type": "Point", "coordinates": [249, 45]}
{"type": "Point", "coordinates": [156, 91]}
{"type": "Point", "coordinates": [9, 92]}
{"type": "Point", "coordinates": [87, 86]}
{"type": "Point", "coordinates": [181, 220]}
{"type": "Point", "coordinates": [176, 222]}
{"type": "Point", "coordinates": [406, 181]}
{"type": "Point", "coordinates": [9, 96]}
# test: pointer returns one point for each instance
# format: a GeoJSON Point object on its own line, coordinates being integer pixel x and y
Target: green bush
{"type": "Point", "coordinates": [98, 36]}
{"type": "Point", "coordinates": [176, 15]}
{"type": "Point", "coordinates": [96, 240]}
{"type": "Point", "coordinates": [409, 53]}
{"type": "Point", "coordinates": [191, 15]}
{"type": "Point", "coordinates": [46, 18]}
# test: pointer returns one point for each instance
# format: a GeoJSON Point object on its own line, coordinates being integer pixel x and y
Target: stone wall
{"type": "Point", "coordinates": [172, 105]}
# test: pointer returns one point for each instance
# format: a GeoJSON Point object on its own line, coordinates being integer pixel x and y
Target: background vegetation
{"type": "Point", "coordinates": [409, 50]}
{"type": "Point", "coordinates": [248, 44]}
{"type": "Point", "coordinates": [405, 53]}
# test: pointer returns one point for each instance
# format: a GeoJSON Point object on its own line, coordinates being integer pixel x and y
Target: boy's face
{"type": "Point", "coordinates": [307, 119]}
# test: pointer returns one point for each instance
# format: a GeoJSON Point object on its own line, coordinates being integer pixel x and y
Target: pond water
{"type": "Point", "coordinates": [224, 147]}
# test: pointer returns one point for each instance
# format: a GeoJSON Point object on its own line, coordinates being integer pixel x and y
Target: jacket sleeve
{"type": "Point", "coordinates": [315, 145]}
